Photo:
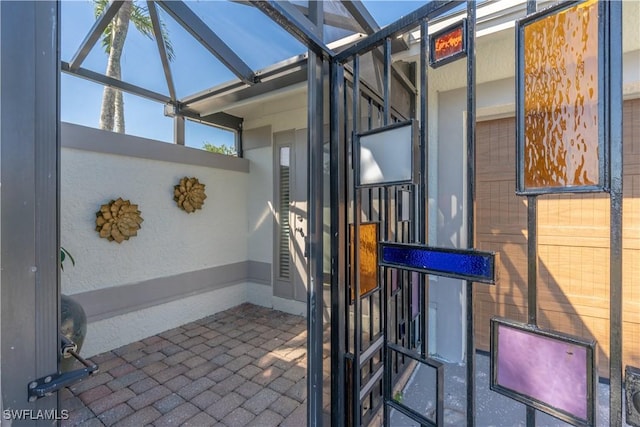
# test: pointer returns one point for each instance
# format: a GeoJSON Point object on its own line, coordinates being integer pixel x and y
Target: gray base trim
{"type": "Point", "coordinates": [260, 272]}
{"type": "Point", "coordinates": [105, 303]}
{"type": "Point", "coordinates": [101, 141]}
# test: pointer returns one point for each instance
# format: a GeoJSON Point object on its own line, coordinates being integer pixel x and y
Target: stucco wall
{"type": "Point", "coordinates": [175, 254]}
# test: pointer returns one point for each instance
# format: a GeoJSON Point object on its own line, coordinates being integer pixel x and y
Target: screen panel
{"type": "Point", "coordinates": [553, 372]}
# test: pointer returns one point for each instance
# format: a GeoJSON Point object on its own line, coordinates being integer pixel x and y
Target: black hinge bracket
{"type": "Point", "coordinates": [50, 384]}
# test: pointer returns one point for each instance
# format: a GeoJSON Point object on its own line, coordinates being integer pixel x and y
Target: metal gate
{"type": "Point", "coordinates": [380, 257]}
{"type": "Point", "coordinates": [379, 335]}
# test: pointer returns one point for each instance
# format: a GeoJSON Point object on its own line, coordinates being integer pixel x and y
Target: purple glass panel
{"type": "Point", "coordinates": [549, 370]}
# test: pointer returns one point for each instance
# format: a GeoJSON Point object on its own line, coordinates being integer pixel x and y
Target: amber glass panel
{"type": "Point", "coordinates": [368, 256]}
{"type": "Point", "coordinates": [561, 99]}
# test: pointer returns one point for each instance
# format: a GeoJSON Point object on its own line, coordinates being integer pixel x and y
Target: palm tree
{"type": "Point", "coordinates": [112, 109]}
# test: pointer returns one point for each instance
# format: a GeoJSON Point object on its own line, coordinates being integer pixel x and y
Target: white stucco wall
{"type": "Point", "coordinates": [260, 204]}
{"type": "Point", "coordinates": [170, 241]}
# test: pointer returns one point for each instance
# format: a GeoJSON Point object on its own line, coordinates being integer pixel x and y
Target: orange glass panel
{"type": "Point", "coordinates": [368, 257]}
{"type": "Point", "coordinates": [448, 44]}
{"type": "Point", "coordinates": [561, 99]}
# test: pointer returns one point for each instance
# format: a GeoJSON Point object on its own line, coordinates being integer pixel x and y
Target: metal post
{"type": "Point", "coordinates": [532, 258]}
{"type": "Point", "coordinates": [386, 82]}
{"type": "Point", "coordinates": [532, 277]}
{"type": "Point", "coordinates": [338, 243]}
{"type": "Point", "coordinates": [315, 271]}
{"type": "Point", "coordinates": [471, 149]}
{"type": "Point", "coordinates": [29, 166]}
{"type": "Point", "coordinates": [357, 311]}
{"type": "Point", "coordinates": [178, 129]}
{"type": "Point", "coordinates": [422, 198]}
{"type": "Point", "coordinates": [613, 47]}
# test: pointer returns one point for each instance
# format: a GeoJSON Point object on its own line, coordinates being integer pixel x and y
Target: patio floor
{"type": "Point", "coordinates": [244, 366]}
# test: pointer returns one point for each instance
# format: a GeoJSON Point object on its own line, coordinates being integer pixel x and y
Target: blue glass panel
{"type": "Point", "coordinates": [460, 264]}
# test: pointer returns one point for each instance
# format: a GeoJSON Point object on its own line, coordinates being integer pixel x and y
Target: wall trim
{"type": "Point", "coordinates": [105, 303]}
{"type": "Point", "coordinates": [101, 141]}
{"type": "Point", "coordinates": [259, 272]}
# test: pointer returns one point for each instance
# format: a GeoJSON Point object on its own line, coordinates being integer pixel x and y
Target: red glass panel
{"type": "Point", "coordinates": [449, 43]}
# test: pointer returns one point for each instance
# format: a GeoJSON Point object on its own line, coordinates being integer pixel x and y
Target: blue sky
{"type": "Point", "coordinates": [253, 36]}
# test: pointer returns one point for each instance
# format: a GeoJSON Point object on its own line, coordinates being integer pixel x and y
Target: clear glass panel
{"type": "Point", "coordinates": [252, 35]}
{"type": "Point", "coordinates": [386, 12]}
{"type": "Point", "coordinates": [140, 61]}
{"type": "Point", "coordinates": [417, 391]}
{"type": "Point", "coordinates": [561, 98]}
{"type": "Point", "coordinates": [210, 138]}
{"type": "Point", "coordinates": [145, 118]}
{"type": "Point", "coordinates": [80, 102]}
{"type": "Point", "coordinates": [76, 92]}
{"type": "Point", "coordinates": [338, 22]}
{"type": "Point", "coordinates": [76, 17]}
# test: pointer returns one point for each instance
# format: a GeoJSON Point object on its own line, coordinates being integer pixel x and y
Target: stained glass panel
{"type": "Point", "coordinates": [561, 95]}
{"type": "Point", "coordinates": [456, 263]}
{"type": "Point", "coordinates": [367, 256]}
{"type": "Point", "coordinates": [550, 371]}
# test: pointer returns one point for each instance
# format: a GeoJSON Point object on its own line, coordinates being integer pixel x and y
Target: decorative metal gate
{"type": "Point", "coordinates": [380, 259]}
{"type": "Point", "coordinates": [379, 224]}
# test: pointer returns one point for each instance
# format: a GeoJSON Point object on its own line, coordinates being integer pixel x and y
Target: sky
{"type": "Point", "coordinates": [254, 37]}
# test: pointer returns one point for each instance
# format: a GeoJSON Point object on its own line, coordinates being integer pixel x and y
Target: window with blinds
{"type": "Point", "coordinates": [284, 183]}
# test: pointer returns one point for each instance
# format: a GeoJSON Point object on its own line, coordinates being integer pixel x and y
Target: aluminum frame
{"type": "Point", "coordinates": [603, 184]}
{"type": "Point", "coordinates": [592, 371]}
{"type": "Point", "coordinates": [435, 63]}
{"type": "Point", "coordinates": [94, 34]}
{"type": "Point", "coordinates": [293, 21]}
{"type": "Point", "coordinates": [429, 10]}
{"type": "Point", "coordinates": [30, 198]}
{"type": "Point", "coordinates": [162, 48]}
{"type": "Point", "coordinates": [184, 16]}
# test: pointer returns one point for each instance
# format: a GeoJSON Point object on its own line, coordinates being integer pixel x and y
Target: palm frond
{"type": "Point", "coordinates": [167, 41]}
{"type": "Point", "coordinates": [98, 8]}
{"type": "Point", "coordinates": [142, 21]}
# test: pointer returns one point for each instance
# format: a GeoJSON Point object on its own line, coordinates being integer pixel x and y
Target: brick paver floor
{"type": "Point", "coordinates": [241, 367]}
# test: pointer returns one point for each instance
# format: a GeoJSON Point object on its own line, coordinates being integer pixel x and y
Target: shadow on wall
{"type": "Point", "coordinates": [573, 238]}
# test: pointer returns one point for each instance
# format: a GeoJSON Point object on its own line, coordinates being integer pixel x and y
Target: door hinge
{"type": "Point", "coordinates": [50, 384]}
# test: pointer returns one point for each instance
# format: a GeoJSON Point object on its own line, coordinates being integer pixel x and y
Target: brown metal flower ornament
{"type": "Point", "coordinates": [118, 220]}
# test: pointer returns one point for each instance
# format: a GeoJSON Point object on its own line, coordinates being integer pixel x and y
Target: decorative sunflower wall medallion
{"type": "Point", "coordinates": [189, 194]}
{"type": "Point", "coordinates": [118, 220]}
